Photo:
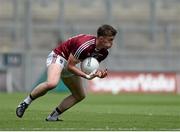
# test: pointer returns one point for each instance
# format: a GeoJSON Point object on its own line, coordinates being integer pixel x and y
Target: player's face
{"type": "Point", "coordinates": [107, 41]}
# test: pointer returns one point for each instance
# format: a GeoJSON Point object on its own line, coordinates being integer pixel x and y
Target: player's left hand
{"type": "Point", "coordinates": [101, 73]}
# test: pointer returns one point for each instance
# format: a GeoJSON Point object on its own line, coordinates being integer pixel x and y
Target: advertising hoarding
{"type": "Point", "coordinates": [149, 82]}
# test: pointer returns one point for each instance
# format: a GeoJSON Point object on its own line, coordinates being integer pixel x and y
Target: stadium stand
{"type": "Point", "coordinates": [148, 38]}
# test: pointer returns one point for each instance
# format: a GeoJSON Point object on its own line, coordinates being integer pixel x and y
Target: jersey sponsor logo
{"type": "Point", "coordinates": [97, 54]}
{"type": "Point", "coordinates": [83, 47]}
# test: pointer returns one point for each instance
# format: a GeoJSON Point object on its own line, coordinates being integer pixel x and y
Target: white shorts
{"type": "Point", "coordinates": [54, 58]}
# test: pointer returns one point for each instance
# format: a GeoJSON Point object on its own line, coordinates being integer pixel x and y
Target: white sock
{"type": "Point", "coordinates": [28, 100]}
{"type": "Point", "coordinates": [54, 114]}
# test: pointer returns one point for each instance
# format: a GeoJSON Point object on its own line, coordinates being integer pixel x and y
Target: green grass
{"type": "Point", "coordinates": [96, 112]}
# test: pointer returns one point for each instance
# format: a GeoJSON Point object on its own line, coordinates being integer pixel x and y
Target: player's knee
{"type": "Point", "coordinates": [51, 85]}
{"type": "Point", "coordinates": [80, 97]}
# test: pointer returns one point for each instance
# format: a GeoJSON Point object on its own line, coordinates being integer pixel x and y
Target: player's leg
{"type": "Point", "coordinates": [54, 72]}
{"type": "Point", "coordinates": [78, 93]}
{"type": "Point", "coordinates": [74, 83]}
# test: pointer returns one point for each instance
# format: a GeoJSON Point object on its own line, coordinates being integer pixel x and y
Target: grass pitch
{"type": "Point", "coordinates": [96, 112]}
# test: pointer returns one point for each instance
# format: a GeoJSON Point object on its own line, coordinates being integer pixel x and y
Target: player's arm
{"type": "Point", "coordinates": [71, 66]}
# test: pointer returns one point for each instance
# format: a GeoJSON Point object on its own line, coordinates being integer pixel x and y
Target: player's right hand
{"type": "Point", "coordinates": [97, 73]}
{"type": "Point", "coordinates": [101, 73]}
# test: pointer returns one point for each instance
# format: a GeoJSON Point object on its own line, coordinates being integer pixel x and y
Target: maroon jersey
{"type": "Point", "coordinates": [81, 47]}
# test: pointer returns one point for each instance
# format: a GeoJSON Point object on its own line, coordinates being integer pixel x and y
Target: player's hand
{"type": "Point", "coordinates": [92, 75]}
{"type": "Point", "coordinates": [101, 73]}
{"type": "Point", "coordinates": [97, 73]}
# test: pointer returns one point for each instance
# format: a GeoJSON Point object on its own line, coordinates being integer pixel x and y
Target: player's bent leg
{"type": "Point", "coordinates": [54, 71]}
{"type": "Point", "coordinates": [40, 90]}
{"type": "Point", "coordinates": [78, 93]}
{"type": "Point", "coordinates": [37, 92]}
{"type": "Point", "coordinates": [74, 83]}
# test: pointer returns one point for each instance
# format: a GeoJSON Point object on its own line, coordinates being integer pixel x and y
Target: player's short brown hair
{"type": "Point", "coordinates": [106, 30]}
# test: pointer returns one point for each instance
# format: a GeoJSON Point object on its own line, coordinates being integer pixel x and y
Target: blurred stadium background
{"type": "Point", "coordinates": [148, 40]}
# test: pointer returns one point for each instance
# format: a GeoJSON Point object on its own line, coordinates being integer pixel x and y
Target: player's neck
{"type": "Point", "coordinates": [98, 47]}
